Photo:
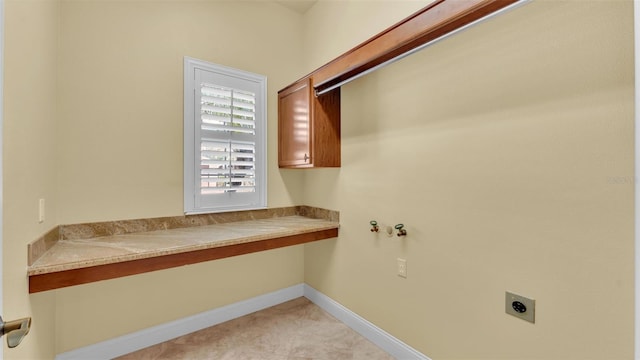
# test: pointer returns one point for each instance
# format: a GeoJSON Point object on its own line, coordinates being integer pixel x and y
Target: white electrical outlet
{"type": "Point", "coordinates": [41, 211]}
{"type": "Point", "coordinates": [402, 268]}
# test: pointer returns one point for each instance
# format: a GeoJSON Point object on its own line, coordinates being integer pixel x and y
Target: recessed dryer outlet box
{"type": "Point", "coordinates": [520, 307]}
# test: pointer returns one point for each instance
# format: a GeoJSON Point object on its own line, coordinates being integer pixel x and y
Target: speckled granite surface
{"type": "Point", "coordinates": [98, 229]}
{"type": "Point", "coordinates": [87, 245]}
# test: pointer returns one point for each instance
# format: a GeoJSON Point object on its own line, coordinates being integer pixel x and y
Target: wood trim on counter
{"type": "Point", "coordinates": [439, 18]}
{"type": "Point", "coordinates": [60, 279]}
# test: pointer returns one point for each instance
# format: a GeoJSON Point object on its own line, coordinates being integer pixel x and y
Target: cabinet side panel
{"type": "Point", "coordinates": [326, 125]}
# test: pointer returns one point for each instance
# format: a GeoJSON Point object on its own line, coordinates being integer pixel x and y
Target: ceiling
{"type": "Point", "coordinates": [299, 6]}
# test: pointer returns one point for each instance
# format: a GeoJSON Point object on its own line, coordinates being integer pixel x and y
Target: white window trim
{"type": "Point", "coordinates": [190, 156]}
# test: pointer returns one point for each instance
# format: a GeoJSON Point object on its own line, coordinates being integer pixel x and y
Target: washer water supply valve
{"type": "Point", "coordinates": [401, 230]}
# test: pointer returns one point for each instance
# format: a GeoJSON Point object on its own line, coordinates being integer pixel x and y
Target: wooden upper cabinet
{"type": "Point", "coordinates": [294, 109]}
{"type": "Point", "coordinates": [308, 127]}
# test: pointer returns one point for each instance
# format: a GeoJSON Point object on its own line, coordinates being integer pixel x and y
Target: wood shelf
{"type": "Point", "coordinates": [309, 109]}
{"type": "Point", "coordinates": [432, 22]}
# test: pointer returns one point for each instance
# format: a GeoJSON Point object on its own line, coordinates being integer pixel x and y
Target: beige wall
{"type": "Point", "coordinates": [501, 149]}
{"type": "Point", "coordinates": [507, 151]}
{"type": "Point", "coordinates": [93, 123]}
{"type": "Point", "coordinates": [29, 155]}
{"type": "Point", "coordinates": [88, 314]}
{"type": "Point", "coordinates": [121, 115]}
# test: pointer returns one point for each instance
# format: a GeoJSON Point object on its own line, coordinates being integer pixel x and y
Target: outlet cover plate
{"type": "Point", "coordinates": [402, 268]}
{"type": "Point", "coordinates": [530, 304]}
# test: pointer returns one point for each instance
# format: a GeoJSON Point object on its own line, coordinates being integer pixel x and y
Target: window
{"type": "Point", "coordinates": [224, 138]}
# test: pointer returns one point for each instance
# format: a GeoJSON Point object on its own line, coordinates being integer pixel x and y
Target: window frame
{"type": "Point", "coordinates": [191, 124]}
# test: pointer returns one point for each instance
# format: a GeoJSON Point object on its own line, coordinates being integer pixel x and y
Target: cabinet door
{"type": "Point", "coordinates": [294, 125]}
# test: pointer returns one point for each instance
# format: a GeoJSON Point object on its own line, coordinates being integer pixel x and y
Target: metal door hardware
{"type": "Point", "coordinates": [15, 330]}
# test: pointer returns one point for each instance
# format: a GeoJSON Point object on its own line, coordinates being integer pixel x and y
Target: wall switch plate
{"type": "Point", "coordinates": [520, 307]}
{"type": "Point", "coordinates": [402, 268]}
{"type": "Point", "coordinates": [41, 211]}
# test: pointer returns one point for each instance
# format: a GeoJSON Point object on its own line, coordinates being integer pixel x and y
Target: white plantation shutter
{"type": "Point", "coordinates": [224, 109]}
{"type": "Point", "coordinates": [227, 166]}
{"type": "Point", "coordinates": [224, 139]}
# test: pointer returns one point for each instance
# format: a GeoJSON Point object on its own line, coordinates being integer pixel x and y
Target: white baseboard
{"type": "Point", "coordinates": [139, 340]}
{"type": "Point", "coordinates": [148, 337]}
{"type": "Point", "coordinates": [381, 338]}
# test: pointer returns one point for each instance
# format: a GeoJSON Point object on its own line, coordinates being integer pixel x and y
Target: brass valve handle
{"type": "Point", "coordinates": [374, 226]}
{"type": "Point", "coordinates": [401, 230]}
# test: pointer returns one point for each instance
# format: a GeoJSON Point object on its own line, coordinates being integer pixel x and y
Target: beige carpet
{"type": "Point", "coordinates": [294, 330]}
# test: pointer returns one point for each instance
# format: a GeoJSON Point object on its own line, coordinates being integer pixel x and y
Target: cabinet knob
{"type": "Point", "coordinates": [306, 157]}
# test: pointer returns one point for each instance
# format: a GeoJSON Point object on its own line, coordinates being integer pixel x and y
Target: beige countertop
{"type": "Point", "coordinates": [82, 253]}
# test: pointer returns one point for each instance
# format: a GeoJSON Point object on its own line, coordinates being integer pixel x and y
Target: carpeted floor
{"type": "Point", "coordinates": [294, 330]}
